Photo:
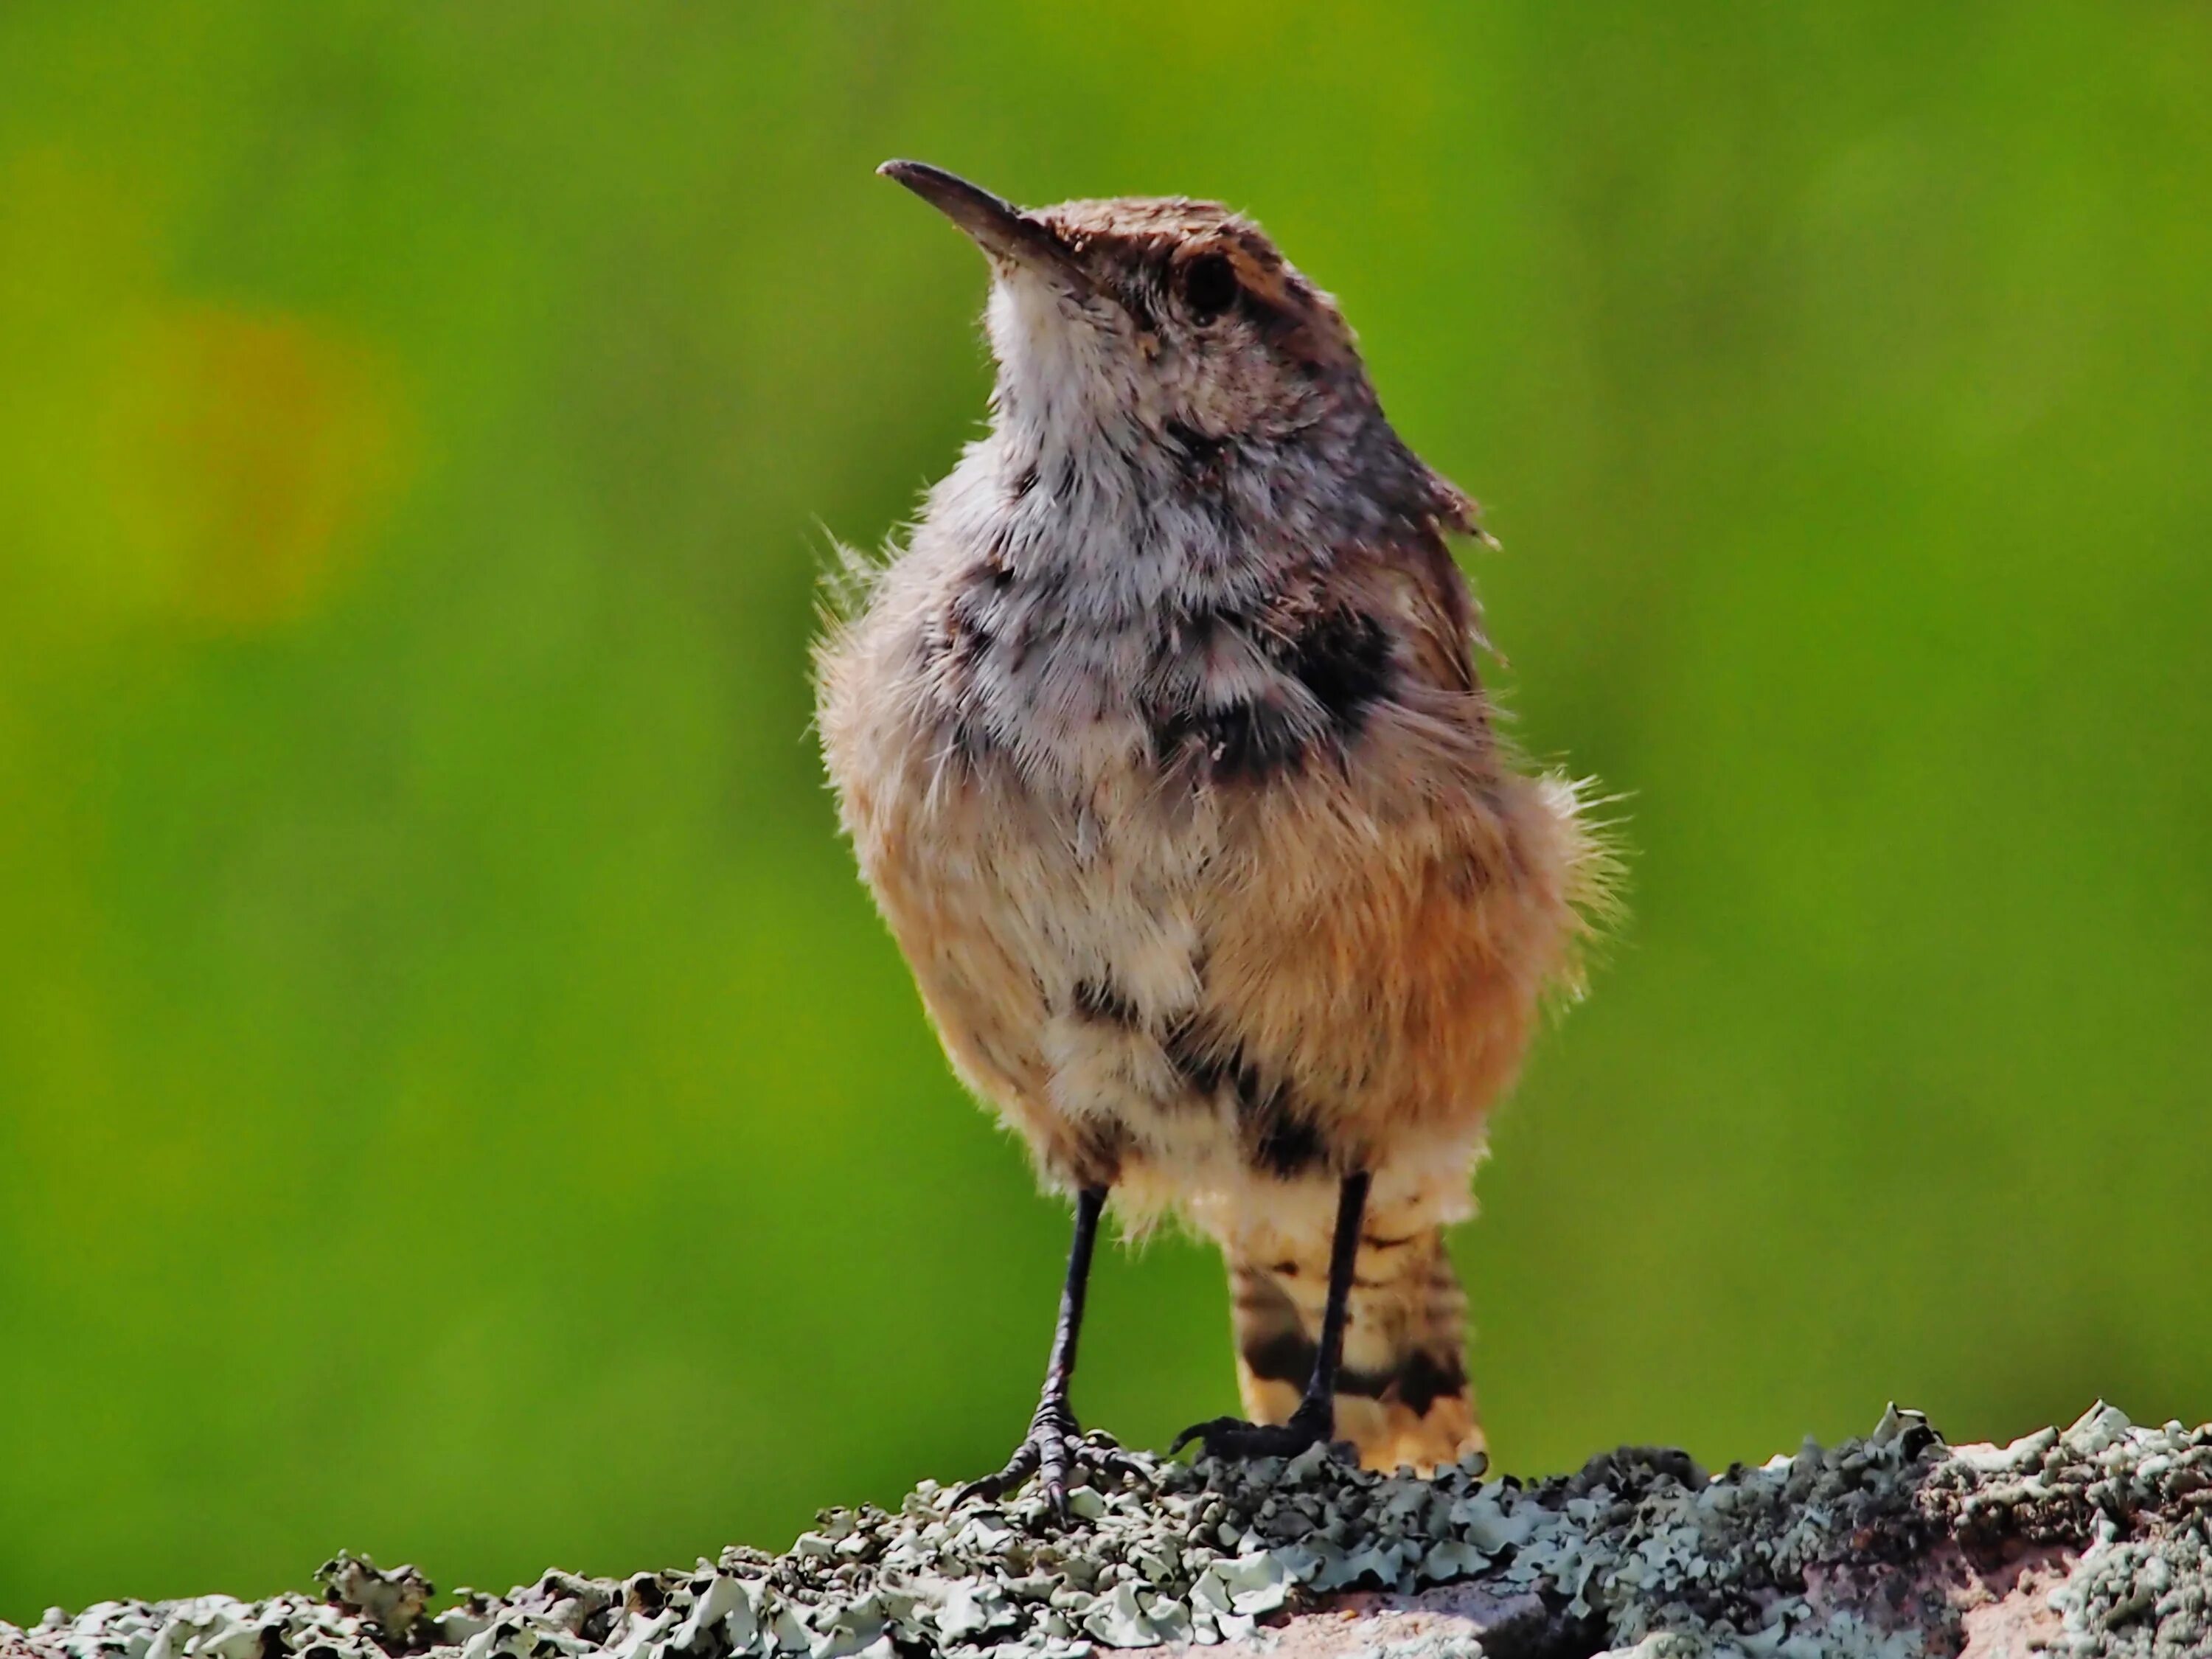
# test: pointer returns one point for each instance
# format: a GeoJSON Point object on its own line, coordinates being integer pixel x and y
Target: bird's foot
{"type": "Point", "coordinates": [1054, 1449]}
{"type": "Point", "coordinates": [1313, 1424]}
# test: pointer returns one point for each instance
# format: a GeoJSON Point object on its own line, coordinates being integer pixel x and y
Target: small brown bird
{"type": "Point", "coordinates": [1163, 750]}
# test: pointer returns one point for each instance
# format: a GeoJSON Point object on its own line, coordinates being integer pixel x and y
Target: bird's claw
{"type": "Point", "coordinates": [1232, 1436]}
{"type": "Point", "coordinates": [1054, 1448]}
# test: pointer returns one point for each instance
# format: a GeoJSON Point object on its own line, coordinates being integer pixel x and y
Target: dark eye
{"type": "Point", "coordinates": [1209, 285]}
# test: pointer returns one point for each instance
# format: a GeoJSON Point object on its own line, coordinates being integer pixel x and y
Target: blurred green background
{"type": "Point", "coordinates": [455, 1099]}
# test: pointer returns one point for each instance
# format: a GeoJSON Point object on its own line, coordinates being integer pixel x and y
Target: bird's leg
{"type": "Point", "coordinates": [1314, 1422]}
{"type": "Point", "coordinates": [1055, 1444]}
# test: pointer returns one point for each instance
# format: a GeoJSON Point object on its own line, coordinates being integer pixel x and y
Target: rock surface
{"type": "Point", "coordinates": [2095, 1541]}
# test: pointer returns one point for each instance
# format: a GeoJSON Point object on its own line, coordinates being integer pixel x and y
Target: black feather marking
{"type": "Point", "coordinates": [1281, 1356]}
{"type": "Point", "coordinates": [1418, 1381]}
{"type": "Point", "coordinates": [1279, 1138]}
{"type": "Point", "coordinates": [1195, 1060]}
{"type": "Point", "coordinates": [1423, 1379]}
{"type": "Point", "coordinates": [1242, 742]}
{"type": "Point", "coordinates": [1342, 660]}
{"type": "Point", "coordinates": [1097, 999]}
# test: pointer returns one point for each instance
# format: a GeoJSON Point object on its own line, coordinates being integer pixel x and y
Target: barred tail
{"type": "Point", "coordinates": [1402, 1395]}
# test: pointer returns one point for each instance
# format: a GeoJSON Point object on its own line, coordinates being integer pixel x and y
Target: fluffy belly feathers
{"type": "Point", "coordinates": [1185, 994]}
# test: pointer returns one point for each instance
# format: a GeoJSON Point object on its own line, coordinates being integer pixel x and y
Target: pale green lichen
{"type": "Point", "coordinates": [1879, 1548]}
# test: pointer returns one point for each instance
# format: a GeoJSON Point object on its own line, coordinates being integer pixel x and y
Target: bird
{"type": "Point", "coordinates": [1160, 743]}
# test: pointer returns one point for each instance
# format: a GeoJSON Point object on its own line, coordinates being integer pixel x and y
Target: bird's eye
{"type": "Point", "coordinates": [1209, 285]}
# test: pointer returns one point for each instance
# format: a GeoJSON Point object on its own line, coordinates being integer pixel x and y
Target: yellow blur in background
{"type": "Point", "coordinates": [455, 1101]}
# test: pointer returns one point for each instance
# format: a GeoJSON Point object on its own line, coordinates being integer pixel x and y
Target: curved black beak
{"type": "Point", "coordinates": [1002, 230]}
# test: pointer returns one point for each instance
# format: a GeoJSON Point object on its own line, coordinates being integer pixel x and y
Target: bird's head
{"type": "Point", "coordinates": [1151, 318]}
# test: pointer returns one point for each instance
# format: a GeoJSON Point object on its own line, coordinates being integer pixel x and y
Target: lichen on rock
{"type": "Point", "coordinates": [2088, 1542]}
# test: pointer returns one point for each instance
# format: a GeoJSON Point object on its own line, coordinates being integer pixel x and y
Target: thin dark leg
{"type": "Point", "coordinates": [1343, 1263]}
{"type": "Point", "coordinates": [1314, 1422]}
{"type": "Point", "coordinates": [1059, 1367]}
{"type": "Point", "coordinates": [1054, 1444]}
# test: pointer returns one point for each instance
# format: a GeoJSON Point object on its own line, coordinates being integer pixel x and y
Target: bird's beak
{"type": "Point", "coordinates": [1002, 230]}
